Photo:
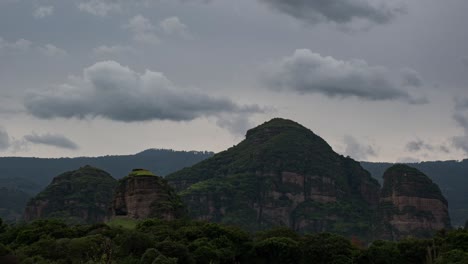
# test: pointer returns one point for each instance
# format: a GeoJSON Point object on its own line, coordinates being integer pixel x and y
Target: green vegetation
{"type": "Point", "coordinates": [449, 175]}
{"type": "Point", "coordinates": [191, 242]}
{"type": "Point", "coordinates": [233, 186]}
{"type": "Point", "coordinates": [122, 222]}
{"type": "Point", "coordinates": [140, 172]}
{"type": "Point", "coordinates": [409, 181]}
{"type": "Point", "coordinates": [12, 203]}
{"type": "Point", "coordinates": [31, 175]}
{"type": "Point", "coordinates": [80, 196]}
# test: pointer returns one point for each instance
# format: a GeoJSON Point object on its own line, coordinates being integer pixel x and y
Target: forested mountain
{"type": "Point", "coordinates": [22, 178]}
{"type": "Point", "coordinates": [451, 176]}
{"type": "Point", "coordinates": [283, 174]}
{"type": "Point", "coordinates": [33, 174]}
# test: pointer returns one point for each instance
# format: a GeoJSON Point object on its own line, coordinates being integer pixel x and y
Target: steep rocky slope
{"type": "Point", "coordinates": [450, 176]}
{"type": "Point", "coordinates": [82, 196]}
{"type": "Point", "coordinates": [281, 174]}
{"type": "Point", "coordinates": [411, 204]}
{"type": "Point", "coordinates": [142, 194]}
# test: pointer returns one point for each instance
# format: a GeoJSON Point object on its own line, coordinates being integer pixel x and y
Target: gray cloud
{"type": "Point", "coordinates": [4, 139]}
{"type": "Point", "coordinates": [411, 77]}
{"type": "Point", "coordinates": [104, 50]}
{"type": "Point", "coordinates": [52, 51]}
{"type": "Point", "coordinates": [110, 90]}
{"type": "Point", "coordinates": [357, 150]}
{"type": "Point", "coordinates": [173, 26]}
{"type": "Point", "coordinates": [21, 45]}
{"type": "Point", "coordinates": [337, 11]}
{"type": "Point", "coordinates": [54, 140]}
{"type": "Point", "coordinates": [465, 61]}
{"type": "Point", "coordinates": [461, 117]}
{"type": "Point", "coordinates": [307, 72]}
{"type": "Point", "coordinates": [143, 30]}
{"type": "Point", "coordinates": [236, 124]}
{"type": "Point", "coordinates": [43, 11]}
{"type": "Point", "coordinates": [419, 145]}
{"type": "Point", "coordinates": [99, 7]}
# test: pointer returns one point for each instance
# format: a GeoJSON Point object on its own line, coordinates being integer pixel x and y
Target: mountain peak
{"type": "Point", "coordinates": [275, 125]}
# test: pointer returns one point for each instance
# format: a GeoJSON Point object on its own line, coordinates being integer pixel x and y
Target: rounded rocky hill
{"type": "Point", "coordinates": [142, 194]}
{"type": "Point", "coordinates": [411, 204]}
{"type": "Point", "coordinates": [80, 196]}
{"type": "Point", "coordinates": [282, 174]}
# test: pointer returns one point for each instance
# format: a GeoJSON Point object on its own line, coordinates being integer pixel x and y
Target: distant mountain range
{"type": "Point", "coordinates": [25, 177]}
{"type": "Point", "coordinates": [33, 174]}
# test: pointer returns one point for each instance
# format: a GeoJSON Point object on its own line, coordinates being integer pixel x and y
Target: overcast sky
{"type": "Point", "coordinates": [380, 80]}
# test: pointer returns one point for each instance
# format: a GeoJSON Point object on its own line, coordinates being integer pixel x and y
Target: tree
{"type": "Point", "coordinates": [327, 248]}
{"type": "Point", "coordinates": [383, 252]}
{"type": "Point", "coordinates": [278, 250]}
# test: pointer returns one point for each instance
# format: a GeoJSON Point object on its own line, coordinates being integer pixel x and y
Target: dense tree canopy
{"type": "Point", "coordinates": [191, 242]}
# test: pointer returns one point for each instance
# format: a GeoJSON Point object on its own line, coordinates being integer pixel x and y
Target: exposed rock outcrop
{"type": "Point", "coordinates": [411, 204]}
{"type": "Point", "coordinates": [80, 196]}
{"type": "Point", "coordinates": [282, 174]}
{"type": "Point", "coordinates": [142, 194]}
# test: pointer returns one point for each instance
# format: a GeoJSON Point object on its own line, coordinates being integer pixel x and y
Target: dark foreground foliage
{"type": "Point", "coordinates": [158, 242]}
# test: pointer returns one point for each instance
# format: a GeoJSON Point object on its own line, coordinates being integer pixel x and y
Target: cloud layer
{"type": "Point", "coordinates": [110, 90]}
{"type": "Point", "coordinates": [357, 150]}
{"type": "Point", "coordinates": [54, 140]}
{"type": "Point", "coordinates": [461, 117]}
{"type": "Point", "coordinates": [99, 7]}
{"type": "Point", "coordinates": [306, 72]}
{"type": "Point", "coordinates": [337, 11]}
{"type": "Point", "coordinates": [4, 139]}
{"type": "Point", "coordinates": [43, 11]}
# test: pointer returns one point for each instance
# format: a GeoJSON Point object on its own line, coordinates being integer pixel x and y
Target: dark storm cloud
{"type": "Point", "coordinates": [461, 117]}
{"type": "Point", "coordinates": [337, 11]}
{"type": "Point", "coordinates": [110, 90]}
{"type": "Point", "coordinates": [307, 72]}
{"type": "Point", "coordinates": [357, 150]}
{"type": "Point", "coordinates": [54, 140]}
{"type": "Point", "coordinates": [4, 139]}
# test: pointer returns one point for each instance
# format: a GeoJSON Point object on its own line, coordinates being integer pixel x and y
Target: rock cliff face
{"type": "Point", "coordinates": [80, 196]}
{"type": "Point", "coordinates": [411, 204]}
{"type": "Point", "coordinates": [144, 195]}
{"type": "Point", "coordinates": [281, 174]}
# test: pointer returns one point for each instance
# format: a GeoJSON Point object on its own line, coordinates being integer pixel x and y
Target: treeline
{"type": "Point", "coordinates": [157, 242]}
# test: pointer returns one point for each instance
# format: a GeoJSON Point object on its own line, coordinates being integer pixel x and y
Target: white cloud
{"type": "Point", "coordinates": [110, 90]}
{"type": "Point", "coordinates": [173, 26]}
{"type": "Point", "coordinates": [52, 51]}
{"type": "Point", "coordinates": [43, 11]}
{"type": "Point", "coordinates": [143, 30]}
{"type": "Point", "coordinates": [306, 72]}
{"type": "Point", "coordinates": [99, 7]}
